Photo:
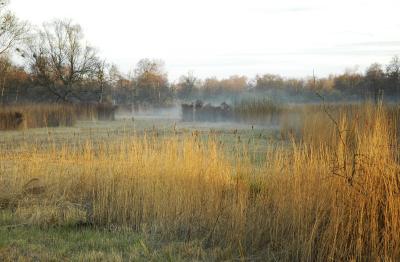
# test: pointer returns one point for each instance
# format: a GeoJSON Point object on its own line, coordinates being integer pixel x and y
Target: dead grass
{"type": "Point", "coordinates": [34, 116]}
{"type": "Point", "coordinates": [11, 120]}
{"type": "Point", "coordinates": [96, 111]}
{"type": "Point", "coordinates": [332, 195]}
{"type": "Point", "coordinates": [261, 109]}
{"type": "Point", "coordinates": [16, 117]}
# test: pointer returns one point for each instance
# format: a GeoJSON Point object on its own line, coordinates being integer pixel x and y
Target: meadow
{"type": "Point", "coordinates": [320, 183]}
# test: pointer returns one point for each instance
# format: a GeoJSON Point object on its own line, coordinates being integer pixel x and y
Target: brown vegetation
{"type": "Point", "coordinates": [54, 115]}
{"type": "Point", "coordinates": [332, 195]}
{"type": "Point", "coordinates": [34, 116]}
{"type": "Point", "coordinates": [11, 120]}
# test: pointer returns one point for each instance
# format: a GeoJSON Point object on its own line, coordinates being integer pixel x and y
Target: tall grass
{"type": "Point", "coordinates": [257, 109]}
{"type": "Point", "coordinates": [102, 111]}
{"type": "Point", "coordinates": [337, 198]}
{"type": "Point", "coordinates": [34, 116]}
{"type": "Point", "coordinates": [11, 120]}
{"type": "Point", "coordinates": [52, 115]}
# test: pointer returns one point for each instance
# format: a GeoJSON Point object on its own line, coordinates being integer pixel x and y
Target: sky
{"type": "Point", "coordinates": [232, 37]}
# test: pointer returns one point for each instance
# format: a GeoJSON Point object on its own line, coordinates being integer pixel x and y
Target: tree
{"type": "Point", "coordinates": [393, 75]}
{"type": "Point", "coordinates": [151, 82]}
{"type": "Point", "coordinates": [60, 60]}
{"type": "Point", "coordinates": [350, 81]}
{"type": "Point", "coordinates": [12, 79]}
{"type": "Point", "coordinates": [114, 74]}
{"type": "Point", "coordinates": [374, 77]}
{"type": "Point", "coordinates": [211, 87]}
{"type": "Point", "coordinates": [12, 30]}
{"type": "Point", "coordinates": [234, 84]}
{"type": "Point", "coordinates": [269, 81]}
{"type": "Point", "coordinates": [5, 66]}
{"type": "Point", "coordinates": [186, 85]}
{"type": "Point", "coordinates": [102, 79]}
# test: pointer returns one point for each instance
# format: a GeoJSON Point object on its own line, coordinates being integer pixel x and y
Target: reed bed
{"type": "Point", "coordinates": [34, 116]}
{"type": "Point", "coordinates": [336, 198]}
{"type": "Point", "coordinates": [96, 111]}
{"type": "Point", "coordinates": [257, 108]}
{"type": "Point", "coordinates": [11, 120]}
{"type": "Point", "coordinates": [16, 117]}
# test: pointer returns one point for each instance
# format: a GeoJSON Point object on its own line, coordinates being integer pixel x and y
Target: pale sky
{"type": "Point", "coordinates": [225, 37]}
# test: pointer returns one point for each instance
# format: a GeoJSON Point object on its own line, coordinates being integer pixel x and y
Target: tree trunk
{"type": "Point", "coordinates": [16, 95]}
{"type": "Point", "coordinates": [3, 87]}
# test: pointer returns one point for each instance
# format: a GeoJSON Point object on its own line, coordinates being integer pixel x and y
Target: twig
{"type": "Point", "coordinates": [331, 118]}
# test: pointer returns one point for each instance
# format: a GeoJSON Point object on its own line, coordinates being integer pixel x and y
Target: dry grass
{"type": "Point", "coordinates": [96, 111]}
{"type": "Point", "coordinates": [257, 108]}
{"type": "Point", "coordinates": [11, 120]}
{"type": "Point", "coordinates": [336, 197]}
{"type": "Point", "coordinates": [52, 115]}
{"type": "Point", "coordinates": [34, 116]}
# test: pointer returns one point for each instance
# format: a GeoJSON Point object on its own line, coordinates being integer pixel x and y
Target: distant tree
{"type": "Point", "coordinates": [350, 81]}
{"type": "Point", "coordinates": [319, 84]}
{"type": "Point", "coordinates": [234, 84]}
{"type": "Point", "coordinates": [294, 85]}
{"type": "Point", "coordinates": [102, 78]}
{"type": "Point", "coordinates": [151, 82]}
{"type": "Point", "coordinates": [5, 66]}
{"type": "Point", "coordinates": [393, 75]}
{"type": "Point", "coordinates": [60, 60]}
{"type": "Point", "coordinates": [211, 87]}
{"type": "Point", "coordinates": [114, 74]}
{"type": "Point", "coordinates": [12, 30]}
{"type": "Point", "coordinates": [12, 78]}
{"type": "Point", "coordinates": [374, 78]}
{"type": "Point", "coordinates": [269, 81]}
{"type": "Point", "coordinates": [187, 85]}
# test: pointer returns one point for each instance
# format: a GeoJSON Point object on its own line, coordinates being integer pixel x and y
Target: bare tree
{"type": "Point", "coordinates": [102, 78]}
{"type": "Point", "coordinates": [149, 66]}
{"type": "Point", "coordinates": [393, 75]}
{"type": "Point", "coordinates": [5, 66]}
{"type": "Point", "coordinates": [151, 82]}
{"type": "Point", "coordinates": [60, 59]}
{"type": "Point", "coordinates": [187, 84]}
{"type": "Point", "coordinates": [11, 29]}
{"type": "Point", "coordinates": [374, 77]}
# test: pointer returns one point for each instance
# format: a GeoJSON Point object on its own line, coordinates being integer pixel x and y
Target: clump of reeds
{"type": "Point", "coordinates": [11, 120]}
{"type": "Point", "coordinates": [96, 111]}
{"type": "Point", "coordinates": [34, 116]}
{"type": "Point", "coordinates": [257, 108]}
{"type": "Point", "coordinates": [105, 111]}
{"type": "Point", "coordinates": [52, 115]}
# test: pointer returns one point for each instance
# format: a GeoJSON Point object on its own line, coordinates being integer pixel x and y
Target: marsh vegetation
{"type": "Point", "coordinates": [293, 193]}
{"type": "Point", "coordinates": [101, 165]}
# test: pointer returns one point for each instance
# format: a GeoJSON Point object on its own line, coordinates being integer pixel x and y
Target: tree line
{"type": "Point", "coordinates": [59, 66]}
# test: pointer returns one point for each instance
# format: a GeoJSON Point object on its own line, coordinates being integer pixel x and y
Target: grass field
{"type": "Point", "coordinates": [323, 184]}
